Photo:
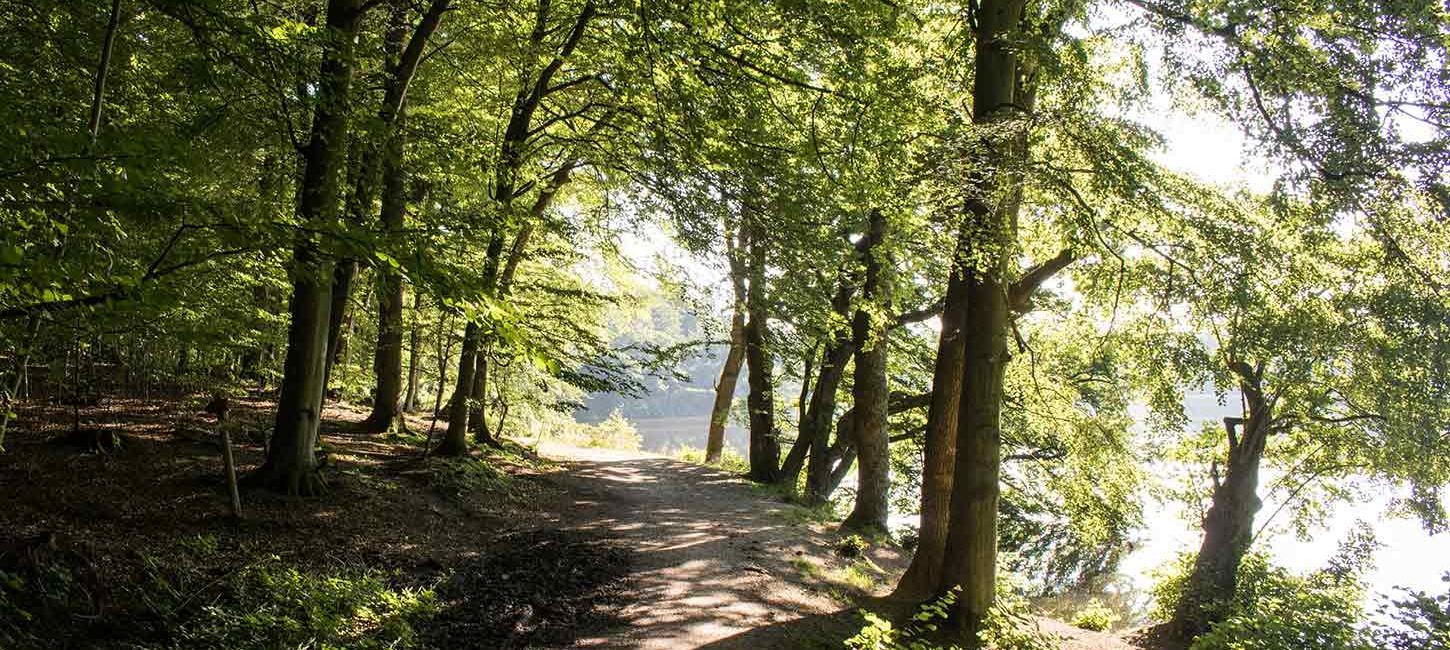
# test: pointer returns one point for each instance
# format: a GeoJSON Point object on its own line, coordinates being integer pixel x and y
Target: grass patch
{"type": "Point", "coordinates": [615, 432]}
{"type": "Point", "coordinates": [845, 583]}
{"type": "Point", "coordinates": [457, 477]}
{"type": "Point", "coordinates": [272, 605]}
{"type": "Point", "coordinates": [730, 461]}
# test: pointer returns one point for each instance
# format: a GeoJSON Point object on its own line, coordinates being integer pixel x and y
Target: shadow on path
{"type": "Point", "coordinates": [716, 561]}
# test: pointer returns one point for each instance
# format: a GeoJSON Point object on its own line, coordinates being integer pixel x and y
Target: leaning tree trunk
{"type": "Point", "coordinates": [725, 388]}
{"type": "Point", "coordinates": [730, 372]}
{"type": "Point", "coordinates": [1228, 525]}
{"type": "Point", "coordinates": [291, 465]}
{"type": "Point", "coordinates": [869, 388]}
{"type": "Point", "coordinates": [764, 447]}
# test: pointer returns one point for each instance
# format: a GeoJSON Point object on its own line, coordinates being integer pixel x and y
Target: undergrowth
{"type": "Point", "coordinates": [1010, 625]}
{"type": "Point", "coordinates": [189, 599]}
{"type": "Point", "coordinates": [730, 460]}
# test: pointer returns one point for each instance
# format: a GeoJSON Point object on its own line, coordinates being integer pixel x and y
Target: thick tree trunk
{"type": "Point", "coordinates": [923, 578]}
{"type": "Point", "coordinates": [1228, 525]}
{"type": "Point", "coordinates": [971, 557]}
{"type": "Point", "coordinates": [415, 338]}
{"type": "Point", "coordinates": [455, 440]}
{"type": "Point", "coordinates": [388, 359]}
{"type": "Point", "coordinates": [869, 388]}
{"type": "Point", "coordinates": [1000, 96]}
{"type": "Point", "coordinates": [291, 465]}
{"type": "Point", "coordinates": [764, 447]}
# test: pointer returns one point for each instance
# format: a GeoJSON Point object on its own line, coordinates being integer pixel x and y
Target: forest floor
{"type": "Point", "coordinates": [550, 547]}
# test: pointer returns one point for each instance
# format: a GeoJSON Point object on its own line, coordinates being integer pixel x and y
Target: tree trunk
{"type": "Point", "coordinates": [445, 349]}
{"type": "Point", "coordinates": [795, 459]}
{"type": "Point", "coordinates": [999, 97]}
{"type": "Point", "coordinates": [971, 556]}
{"type": "Point", "coordinates": [291, 465]}
{"type": "Point", "coordinates": [1228, 525]}
{"type": "Point", "coordinates": [343, 273]}
{"type": "Point", "coordinates": [388, 359]}
{"type": "Point", "coordinates": [415, 336]}
{"type": "Point", "coordinates": [102, 68]}
{"type": "Point", "coordinates": [816, 425]}
{"type": "Point", "coordinates": [455, 440]}
{"type": "Point", "coordinates": [725, 388]}
{"type": "Point", "coordinates": [730, 372]}
{"type": "Point", "coordinates": [923, 578]}
{"type": "Point", "coordinates": [764, 447]}
{"type": "Point", "coordinates": [477, 420]}
{"type": "Point", "coordinates": [869, 388]}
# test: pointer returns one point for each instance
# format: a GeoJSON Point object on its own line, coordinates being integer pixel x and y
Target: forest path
{"type": "Point", "coordinates": [712, 554]}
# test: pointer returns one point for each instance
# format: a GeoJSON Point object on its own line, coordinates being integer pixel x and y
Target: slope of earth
{"type": "Point", "coordinates": [134, 547]}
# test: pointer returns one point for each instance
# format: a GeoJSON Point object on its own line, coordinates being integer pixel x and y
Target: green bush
{"type": "Point", "coordinates": [852, 546]}
{"type": "Point", "coordinates": [1010, 625]}
{"type": "Point", "coordinates": [1095, 616]}
{"type": "Point", "coordinates": [1274, 609]}
{"type": "Point", "coordinates": [730, 461]}
{"type": "Point", "coordinates": [270, 605]}
{"type": "Point", "coordinates": [615, 432]}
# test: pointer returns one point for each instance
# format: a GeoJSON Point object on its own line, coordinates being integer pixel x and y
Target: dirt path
{"type": "Point", "coordinates": [717, 561]}
{"type": "Point", "coordinates": [713, 555]}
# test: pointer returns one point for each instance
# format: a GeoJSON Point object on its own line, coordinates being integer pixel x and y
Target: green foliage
{"type": "Point", "coordinates": [1010, 625]}
{"type": "Point", "coordinates": [271, 604]}
{"type": "Point", "coordinates": [852, 546]}
{"type": "Point", "coordinates": [1278, 610]}
{"type": "Point", "coordinates": [1415, 621]}
{"type": "Point", "coordinates": [730, 460]}
{"type": "Point", "coordinates": [615, 432]}
{"type": "Point", "coordinates": [1095, 616]}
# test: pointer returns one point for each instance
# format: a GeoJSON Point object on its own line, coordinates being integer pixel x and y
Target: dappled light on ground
{"type": "Point", "coordinates": [713, 555]}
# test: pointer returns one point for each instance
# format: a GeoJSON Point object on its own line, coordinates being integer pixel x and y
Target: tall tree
{"type": "Point", "coordinates": [870, 389]}
{"type": "Point", "coordinates": [388, 360]}
{"type": "Point", "coordinates": [291, 464]}
{"type": "Point", "coordinates": [764, 446]}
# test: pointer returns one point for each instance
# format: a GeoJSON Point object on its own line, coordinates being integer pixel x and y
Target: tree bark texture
{"type": "Point", "coordinates": [291, 465]}
{"type": "Point", "coordinates": [388, 356]}
{"type": "Point", "coordinates": [764, 447]}
{"type": "Point", "coordinates": [869, 389]}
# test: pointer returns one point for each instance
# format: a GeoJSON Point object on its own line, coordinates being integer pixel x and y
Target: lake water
{"type": "Point", "coordinates": [1409, 556]}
